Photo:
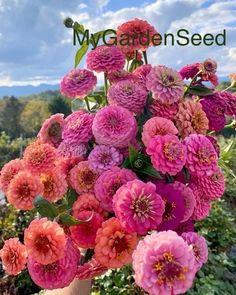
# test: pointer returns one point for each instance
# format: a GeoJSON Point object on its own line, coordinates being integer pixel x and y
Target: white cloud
{"type": "Point", "coordinates": [232, 54]}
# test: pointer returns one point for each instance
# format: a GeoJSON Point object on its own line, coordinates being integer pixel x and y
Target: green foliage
{"type": "Point", "coordinates": [59, 104]}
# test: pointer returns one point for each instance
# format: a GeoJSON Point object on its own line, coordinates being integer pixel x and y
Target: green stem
{"type": "Point", "coordinates": [230, 86]}
{"type": "Point", "coordinates": [191, 83]}
{"type": "Point", "coordinates": [145, 57]}
{"type": "Point", "coordinates": [87, 104]}
{"type": "Point", "coordinates": [105, 87]}
{"type": "Point", "coordinates": [127, 68]}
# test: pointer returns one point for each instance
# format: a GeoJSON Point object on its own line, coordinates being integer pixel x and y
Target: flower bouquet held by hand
{"type": "Point", "coordinates": [124, 178]}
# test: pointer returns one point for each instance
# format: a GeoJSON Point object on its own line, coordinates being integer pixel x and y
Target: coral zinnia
{"type": "Point", "coordinates": [58, 274]}
{"type": "Point", "coordinates": [78, 83]}
{"type": "Point", "coordinates": [8, 172]}
{"type": "Point", "coordinates": [39, 158]}
{"type": "Point", "coordinates": [190, 118]}
{"type": "Point", "coordinates": [114, 246]}
{"type": "Point", "coordinates": [82, 178]}
{"type": "Point", "coordinates": [164, 110]}
{"type": "Point", "coordinates": [201, 155]}
{"type": "Point", "coordinates": [45, 241]}
{"type": "Point", "coordinates": [90, 270]}
{"type": "Point", "coordinates": [138, 207]}
{"type": "Point", "coordinates": [166, 84]}
{"type": "Point", "coordinates": [157, 126]}
{"type": "Point", "coordinates": [86, 202]}
{"type": "Point", "coordinates": [51, 130]}
{"type": "Point", "coordinates": [164, 264]}
{"type": "Point", "coordinates": [168, 154]}
{"type": "Point", "coordinates": [109, 182]}
{"type": "Point", "coordinates": [14, 256]}
{"type": "Point", "coordinates": [23, 189]}
{"type": "Point", "coordinates": [105, 59]}
{"type": "Point", "coordinates": [115, 126]}
{"type": "Point", "coordinates": [129, 95]}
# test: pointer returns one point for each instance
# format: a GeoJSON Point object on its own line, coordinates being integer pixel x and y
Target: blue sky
{"type": "Point", "coordinates": [36, 48]}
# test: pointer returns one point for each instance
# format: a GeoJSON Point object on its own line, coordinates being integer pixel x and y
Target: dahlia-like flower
{"type": "Point", "coordinates": [191, 118]}
{"type": "Point", "coordinates": [164, 110]}
{"type": "Point", "coordinates": [8, 172]}
{"type": "Point", "coordinates": [141, 74]}
{"type": "Point", "coordinates": [166, 84]}
{"type": "Point", "coordinates": [138, 28]}
{"type": "Point", "coordinates": [51, 130]}
{"type": "Point", "coordinates": [168, 154]}
{"type": "Point", "coordinates": [185, 227]}
{"type": "Point", "coordinates": [114, 246]}
{"type": "Point", "coordinates": [109, 182]}
{"type": "Point", "coordinates": [13, 256]}
{"type": "Point", "coordinates": [115, 126]}
{"type": "Point", "coordinates": [39, 158]}
{"type": "Point", "coordinates": [174, 206]}
{"type": "Point", "coordinates": [209, 66]}
{"type": "Point", "coordinates": [54, 185]}
{"type": "Point", "coordinates": [164, 264]}
{"type": "Point", "coordinates": [104, 157]}
{"type": "Point", "coordinates": [78, 128]}
{"type": "Point", "coordinates": [84, 234]}
{"type": "Point", "coordinates": [215, 112]}
{"type": "Point", "coordinates": [45, 241]}
{"type": "Point", "coordinates": [188, 197]}
{"type": "Point", "coordinates": [189, 71]}
{"type": "Point", "coordinates": [120, 75]}
{"type": "Point", "coordinates": [199, 247]}
{"type": "Point", "coordinates": [90, 270]}
{"type": "Point", "coordinates": [58, 274]}
{"type": "Point", "coordinates": [157, 126]}
{"type": "Point", "coordinates": [72, 150]}
{"type": "Point", "coordinates": [23, 189]}
{"type": "Point", "coordinates": [83, 178]}
{"type": "Point", "coordinates": [105, 59]}
{"type": "Point", "coordinates": [138, 207]}
{"type": "Point", "coordinates": [129, 95]}
{"type": "Point", "coordinates": [78, 83]}
{"type": "Point", "coordinates": [230, 100]}
{"type": "Point", "coordinates": [215, 144]}
{"type": "Point", "coordinates": [201, 155]}
{"type": "Point", "coordinates": [86, 202]}
{"type": "Point", "coordinates": [64, 165]}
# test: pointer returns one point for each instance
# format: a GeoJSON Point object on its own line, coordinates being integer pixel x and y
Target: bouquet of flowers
{"type": "Point", "coordinates": [125, 177]}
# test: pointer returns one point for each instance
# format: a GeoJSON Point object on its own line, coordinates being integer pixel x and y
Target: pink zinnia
{"type": "Point", "coordinates": [104, 157]}
{"type": "Point", "coordinates": [199, 247]}
{"type": "Point", "coordinates": [84, 234]}
{"type": "Point", "coordinates": [166, 84]}
{"type": "Point", "coordinates": [114, 246]}
{"type": "Point", "coordinates": [157, 126]}
{"type": "Point", "coordinates": [90, 270]}
{"type": "Point", "coordinates": [121, 75]}
{"type": "Point", "coordinates": [8, 172]}
{"type": "Point", "coordinates": [141, 74]}
{"type": "Point", "coordinates": [164, 110]}
{"type": "Point", "coordinates": [185, 227]}
{"type": "Point", "coordinates": [129, 95]}
{"type": "Point", "coordinates": [83, 178]}
{"type": "Point", "coordinates": [78, 128]}
{"type": "Point", "coordinates": [14, 256]}
{"type": "Point", "coordinates": [138, 207]}
{"type": "Point", "coordinates": [230, 101]}
{"type": "Point", "coordinates": [58, 274]}
{"type": "Point", "coordinates": [189, 71]}
{"type": "Point", "coordinates": [23, 189]}
{"type": "Point", "coordinates": [168, 154]}
{"type": "Point", "coordinates": [78, 83]}
{"type": "Point", "coordinates": [72, 150]}
{"type": "Point", "coordinates": [164, 264]}
{"type": "Point", "coordinates": [51, 130]}
{"type": "Point", "coordinates": [109, 182]}
{"type": "Point", "coordinates": [86, 202]}
{"type": "Point", "coordinates": [105, 59]}
{"type": "Point", "coordinates": [115, 126]}
{"type": "Point", "coordinates": [215, 144]}
{"type": "Point", "coordinates": [64, 165]}
{"type": "Point", "coordinates": [39, 158]}
{"type": "Point", "coordinates": [45, 241]}
{"type": "Point", "coordinates": [201, 155]}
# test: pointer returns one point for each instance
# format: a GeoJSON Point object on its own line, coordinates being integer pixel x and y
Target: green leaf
{"type": "Point", "coordinates": [151, 171]}
{"type": "Point", "coordinates": [80, 53]}
{"type": "Point", "coordinates": [226, 153]}
{"type": "Point", "coordinates": [69, 220]}
{"type": "Point", "coordinates": [71, 197]}
{"type": "Point", "coordinates": [126, 163]}
{"type": "Point", "coordinates": [133, 154]}
{"type": "Point", "coordinates": [200, 90]}
{"type": "Point", "coordinates": [223, 165]}
{"type": "Point", "coordinates": [45, 208]}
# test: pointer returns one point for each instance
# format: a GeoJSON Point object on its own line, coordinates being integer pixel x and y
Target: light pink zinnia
{"type": "Point", "coordinates": [201, 155]}
{"type": "Point", "coordinates": [78, 83]}
{"type": "Point", "coordinates": [58, 274]}
{"type": "Point", "coordinates": [14, 256]}
{"type": "Point", "coordinates": [115, 126]}
{"type": "Point", "coordinates": [138, 207]}
{"type": "Point", "coordinates": [78, 128]}
{"type": "Point", "coordinates": [105, 59]}
{"type": "Point", "coordinates": [129, 95]}
{"type": "Point", "coordinates": [199, 246]}
{"type": "Point", "coordinates": [166, 84]}
{"type": "Point", "coordinates": [164, 264]}
{"type": "Point", "coordinates": [104, 157]}
{"type": "Point", "coordinates": [120, 75]}
{"type": "Point", "coordinates": [51, 130]}
{"type": "Point", "coordinates": [72, 150]}
{"type": "Point", "coordinates": [109, 182]}
{"type": "Point", "coordinates": [45, 241]}
{"type": "Point", "coordinates": [157, 126]}
{"type": "Point", "coordinates": [168, 154]}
